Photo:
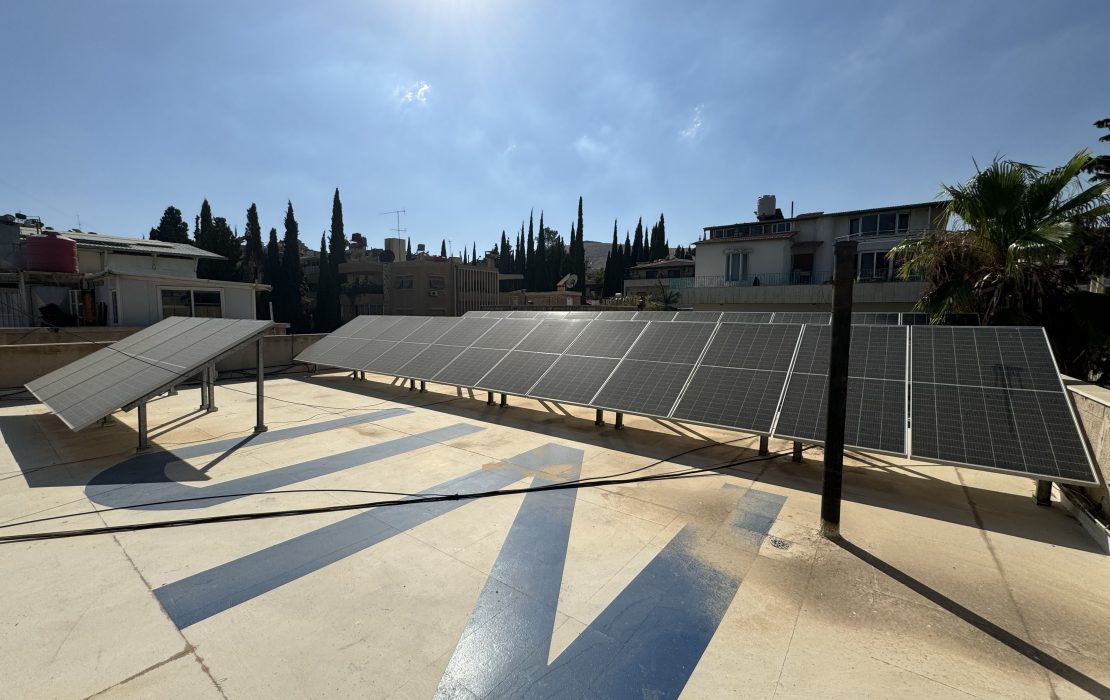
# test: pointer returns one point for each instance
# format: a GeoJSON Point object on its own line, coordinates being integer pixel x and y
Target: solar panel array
{"type": "Point", "coordinates": [140, 365]}
{"type": "Point", "coordinates": [870, 318]}
{"type": "Point", "coordinates": [983, 397]}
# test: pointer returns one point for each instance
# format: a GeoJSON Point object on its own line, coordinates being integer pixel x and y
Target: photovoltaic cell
{"type": "Point", "coordinates": [506, 334]}
{"type": "Point", "coordinates": [431, 331]}
{"type": "Point", "coordinates": [393, 359]}
{"type": "Point", "coordinates": [469, 367]}
{"type": "Point", "coordinates": [671, 342]}
{"type": "Point", "coordinates": [429, 362]}
{"type": "Point", "coordinates": [617, 315]}
{"type": "Point", "coordinates": [376, 325]}
{"type": "Point", "coordinates": [648, 388]}
{"type": "Point", "coordinates": [1002, 358]}
{"type": "Point", "coordinates": [517, 372]}
{"type": "Point", "coordinates": [802, 317]}
{"type": "Point", "coordinates": [464, 334]}
{"type": "Point", "coordinates": [606, 338]}
{"type": "Point", "coordinates": [875, 319]}
{"type": "Point", "coordinates": [575, 379]}
{"type": "Point", "coordinates": [583, 314]}
{"type": "Point", "coordinates": [698, 316]}
{"type": "Point", "coordinates": [734, 398]}
{"type": "Point", "coordinates": [753, 346]}
{"type": "Point", "coordinates": [746, 317]}
{"type": "Point", "coordinates": [402, 328]}
{"type": "Point", "coordinates": [654, 316]}
{"type": "Point", "coordinates": [552, 336]}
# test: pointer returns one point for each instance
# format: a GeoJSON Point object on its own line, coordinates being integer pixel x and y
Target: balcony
{"type": "Point", "coordinates": [772, 279]}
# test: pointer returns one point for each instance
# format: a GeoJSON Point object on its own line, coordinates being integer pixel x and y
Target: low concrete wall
{"type": "Point", "coordinates": [1092, 403]}
{"type": "Point", "coordinates": [82, 334]}
{"type": "Point", "coordinates": [21, 363]}
{"type": "Point", "coordinates": [873, 296]}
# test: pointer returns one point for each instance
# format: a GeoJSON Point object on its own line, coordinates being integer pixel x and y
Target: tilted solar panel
{"type": "Point", "coordinates": [648, 388]}
{"type": "Point", "coordinates": [746, 317]}
{"type": "Point", "coordinates": [993, 397]}
{"type": "Point", "coordinates": [603, 338]}
{"type": "Point", "coordinates": [698, 316]}
{"type": "Point", "coordinates": [575, 379]}
{"type": "Point", "coordinates": [517, 372]}
{"type": "Point", "coordinates": [672, 342]}
{"type": "Point", "coordinates": [815, 317]}
{"type": "Point", "coordinates": [469, 367]}
{"type": "Point", "coordinates": [553, 335]}
{"type": "Point", "coordinates": [872, 318]}
{"type": "Point", "coordinates": [655, 315]}
{"type": "Point", "coordinates": [506, 334]}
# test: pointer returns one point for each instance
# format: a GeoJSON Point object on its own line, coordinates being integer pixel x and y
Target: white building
{"type": "Point", "coordinates": [780, 262]}
{"type": "Point", "coordinates": [117, 281]}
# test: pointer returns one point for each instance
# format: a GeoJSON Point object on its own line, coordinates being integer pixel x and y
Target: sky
{"type": "Point", "coordinates": [470, 114]}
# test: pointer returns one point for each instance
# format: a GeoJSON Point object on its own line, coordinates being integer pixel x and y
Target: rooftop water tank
{"type": "Point", "coordinates": [51, 253]}
{"type": "Point", "coordinates": [765, 206]}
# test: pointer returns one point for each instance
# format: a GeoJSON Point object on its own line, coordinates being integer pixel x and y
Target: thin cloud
{"type": "Point", "coordinates": [416, 93]}
{"type": "Point", "coordinates": [693, 132]}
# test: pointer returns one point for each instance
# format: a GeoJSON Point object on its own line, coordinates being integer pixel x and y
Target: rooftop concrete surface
{"type": "Point", "coordinates": [713, 582]}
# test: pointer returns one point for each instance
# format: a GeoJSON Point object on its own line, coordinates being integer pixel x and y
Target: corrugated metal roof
{"type": "Point", "coordinates": [96, 241]}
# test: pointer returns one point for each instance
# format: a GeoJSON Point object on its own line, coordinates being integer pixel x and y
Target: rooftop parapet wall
{"type": "Point", "coordinates": [1092, 405]}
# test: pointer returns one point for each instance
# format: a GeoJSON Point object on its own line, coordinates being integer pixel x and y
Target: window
{"type": "Point", "coordinates": [192, 302]}
{"type": "Point", "coordinates": [404, 282]}
{"type": "Point", "coordinates": [884, 224]}
{"type": "Point", "coordinates": [736, 267]}
{"type": "Point", "coordinates": [873, 267]}
{"type": "Point", "coordinates": [437, 282]}
{"type": "Point", "coordinates": [115, 308]}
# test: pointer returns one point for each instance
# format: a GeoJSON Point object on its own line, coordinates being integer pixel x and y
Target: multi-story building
{"type": "Point", "coordinates": [785, 262]}
{"type": "Point", "coordinates": [645, 278]}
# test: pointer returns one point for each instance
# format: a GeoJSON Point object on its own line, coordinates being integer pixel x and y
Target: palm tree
{"type": "Point", "coordinates": [1013, 225]}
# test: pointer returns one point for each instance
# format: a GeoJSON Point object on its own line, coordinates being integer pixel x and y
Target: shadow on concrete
{"type": "Point", "coordinates": [874, 481]}
{"type": "Point", "coordinates": [40, 443]}
{"type": "Point", "coordinates": [1034, 654]}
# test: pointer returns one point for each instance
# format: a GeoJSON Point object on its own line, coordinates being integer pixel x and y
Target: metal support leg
{"type": "Point", "coordinates": [204, 389]}
{"type": "Point", "coordinates": [1044, 493]}
{"type": "Point", "coordinates": [797, 451]}
{"type": "Point", "coordinates": [599, 417]}
{"type": "Point", "coordinates": [144, 441]}
{"type": "Point", "coordinates": [504, 400]}
{"type": "Point", "coordinates": [489, 398]}
{"type": "Point", "coordinates": [412, 384]}
{"type": "Point", "coordinates": [362, 376]}
{"type": "Point", "coordinates": [423, 387]}
{"type": "Point", "coordinates": [260, 422]}
{"type": "Point", "coordinates": [173, 390]}
{"type": "Point", "coordinates": [212, 374]}
{"type": "Point", "coordinates": [763, 449]}
{"type": "Point", "coordinates": [619, 424]}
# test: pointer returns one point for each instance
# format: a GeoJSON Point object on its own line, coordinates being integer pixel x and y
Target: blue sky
{"type": "Point", "coordinates": [469, 114]}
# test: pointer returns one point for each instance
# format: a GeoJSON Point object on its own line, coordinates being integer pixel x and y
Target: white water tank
{"type": "Point", "coordinates": [765, 206]}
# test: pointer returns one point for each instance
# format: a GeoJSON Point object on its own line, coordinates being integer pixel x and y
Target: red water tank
{"type": "Point", "coordinates": [51, 253]}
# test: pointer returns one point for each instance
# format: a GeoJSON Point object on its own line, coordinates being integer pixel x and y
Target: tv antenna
{"type": "Point", "coordinates": [397, 213]}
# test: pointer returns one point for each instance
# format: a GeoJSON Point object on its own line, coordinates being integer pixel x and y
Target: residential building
{"type": "Point", "coordinates": [561, 297]}
{"type": "Point", "coordinates": [645, 278]}
{"type": "Point", "coordinates": [785, 262]}
{"type": "Point", "coordinates": [107, 280]}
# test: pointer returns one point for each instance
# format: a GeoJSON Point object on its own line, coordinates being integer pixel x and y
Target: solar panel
{"type": "Point", "coordinates": [375, 326]}
{"type": "Point", "coordinates": [740, 379]}
{"type": "Point", "coordinates": [914, 319]}
{"type": "Point", "coordinates": [574, 379]}
{"type": "Point", "coordinates": [583, 314]}
{"type": "Point", "coordinates": [802, 317]}
{"type": "Point", "coordinates": [606, 338]}
{"type": "Point", "coordinates": [647, 388]}
{"type": "Point", "coordinates": [402, 328]}
{"type": "Point", "coordinates": [993, 397]}
{"type": "Point", "coordinates": [671, 342]}
{"type": "Point", "coordinates": [475, 314]}
{"type": "Point", "coordinates": [655, 315]}
{"type": "Point", "coordinates": [393, 359]}
{"type": "Point", "coordinates": [746, 317]}
{"type": "Point", "coordinates": [364, 353]}
{"type": "Point", "coordinates": [469, 367]}
{"type": "Point", "coordinates": [617, 315]}
{"type": "Point", "coordinates": [876, 407]}
{"type": "Point", "coordinates": [127, 372]}
{"type": "Point", "coordinates": [431, 331]}
{"type": "Point", "coordinates": [429, 362]}
{"type": "Point", "coordinates": [506, 334]}
{"type": "Point", "coordinates": [552, 336]}
{"type": "Point", "coordinates": [872, 318]}
{"type": "Point", "coordinates": [524, 314]}
{"type": "Point", "coordinates": [517, 372]}
{"type": "Point", "coordinates": [698, 316]}
{"type": "Point", "coordinates": [464, 334]}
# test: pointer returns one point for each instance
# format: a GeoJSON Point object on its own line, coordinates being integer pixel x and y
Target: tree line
{"type": "Point", "coordinates": [542, 256]}
{"type": "Point", "coordinates": [636, 249]}
{"type": "Point", "coordinates": [277, 264]}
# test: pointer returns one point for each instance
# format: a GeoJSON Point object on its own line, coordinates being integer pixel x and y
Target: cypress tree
{"type": "Point", "coordinates": [292, 277]}
{"type": "Point", "coordinates": [543, 281]}
{"type": "Point", "coordinates": [520, 263]}
{"type": "Point", "coordinates": [338, 240]}
{"type": "Point", "coordinates": [473, 252]}
{"type": "Point", "coordinates": [202, 232]}
{"type": "Point", "coordinates": [530, 258]}
{"type": "Point", "coordinates": [321, 318]}
{"type": "Point", "coordinates": [254, 255]}
{"type": "Point", "coordinates": [664, 246]}
{"type": "Point", "coordinates": [225, 243]}
{"type": "Point", "coordinates": [503, 260]}
{"type": "Point", "coordinates": [172, 228]}
{"type": "Point", "coordinates": [408, 248]}
{"type": "Point", "coordinates": [578, 252]}
{"type": "Point", "coordinates": [271, 275]}
{"type": "Point", "coordinates": [638, 252]}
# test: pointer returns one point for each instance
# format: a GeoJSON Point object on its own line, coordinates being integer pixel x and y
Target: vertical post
{"type": "Point", "coordinates": [504, 400]}
{"type": "Point", "coordinates": [845, 260]}
{"type": "Point", "coordinates": [764, 446]}
{"type": "Point", "coordinates": [599, 417]}
{"type": "Point", "coordinates": [144, 441]}
{"type": "Point", "coordinates": [619, 423]}
{"type": "Point", "coordinates": [260, 422]}
{"type": "Point", "coordinates": [423, 386]}
{"type": "Point", "coordinates": [489, 398]}
{"type": "Point", "coordinates": [1044, 493]}
{"type": "Point", "coordinates": [204, 389]}
{"type": "Point", "coordinates": [797, 451]}
{"type": "Point", "coordinates": [212, 374]}
{"type": "Point", "coordinates": [412, 384]}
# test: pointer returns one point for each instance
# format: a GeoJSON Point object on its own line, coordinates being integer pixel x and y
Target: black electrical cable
{"type": "Point", "coordinates": [263, 515]}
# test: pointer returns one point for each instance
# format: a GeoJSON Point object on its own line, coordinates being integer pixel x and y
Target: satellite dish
{"type": "Point", "coordinates": [572, 279]}
{"type": "Point", "coordinates": [387, 256]}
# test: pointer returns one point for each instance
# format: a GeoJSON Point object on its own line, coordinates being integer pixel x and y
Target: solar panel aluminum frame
{"type": "Point", "coordinates": [1095, 473]}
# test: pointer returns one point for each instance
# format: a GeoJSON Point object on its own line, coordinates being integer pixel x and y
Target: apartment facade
{"type": "Point", "coordinates": [786, 262]}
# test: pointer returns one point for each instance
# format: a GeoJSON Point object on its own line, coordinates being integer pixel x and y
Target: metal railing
{"type": "Point", "coordinates": [771, 279]}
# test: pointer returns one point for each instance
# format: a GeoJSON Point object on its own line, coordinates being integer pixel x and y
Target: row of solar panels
{"type": "Point", "coordinates": [139, 366]}
{"type": "Point", "coordinates": [883, 318]}
{"type": "Point", "coordinates": [984, 397]}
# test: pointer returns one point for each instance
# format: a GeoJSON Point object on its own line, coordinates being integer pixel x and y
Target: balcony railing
{"type": "Point", "coordinates": [772, 279]}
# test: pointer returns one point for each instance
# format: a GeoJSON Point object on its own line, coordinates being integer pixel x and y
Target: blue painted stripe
{"type": "Point", "coordinates": [646, 643]}
{"type": "Point", "coordinates": [512, 622]}
{"type": "Point", "coordinates": [210, 592]}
